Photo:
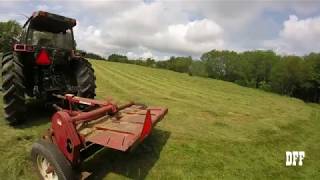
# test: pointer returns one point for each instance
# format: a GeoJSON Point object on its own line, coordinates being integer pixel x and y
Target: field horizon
{"type": "Point", "coordinates": [214, 130]}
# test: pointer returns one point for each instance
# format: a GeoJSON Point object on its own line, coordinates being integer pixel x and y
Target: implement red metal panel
{"type": "Point", "coordinates": [125, 129]}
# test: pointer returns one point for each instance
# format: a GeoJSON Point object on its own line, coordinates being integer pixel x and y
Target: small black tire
{"type": "Point", "coordinates": [85, 78]}
{"type": "Point", "coordinates": [13, 88]}
{"type": "Point", "coordinates": [61, 166]}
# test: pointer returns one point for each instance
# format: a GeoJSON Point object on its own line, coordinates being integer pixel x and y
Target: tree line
{"type": "Point", "coordinates": [8, 32]}
{"type": "Point", "coordinates": [90, 55]}
{"type": "Point", "coordinates": [296, 76]}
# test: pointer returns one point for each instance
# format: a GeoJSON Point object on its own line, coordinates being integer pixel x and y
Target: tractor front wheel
{"type": "Point", "coordinates": [50, 162]}
{"type": "Point", "coordinates": [13, 88]}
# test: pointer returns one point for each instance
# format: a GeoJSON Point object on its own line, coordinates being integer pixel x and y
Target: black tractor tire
{"type": "Point", "coordinates": [44, 151]}
{"type": "Point", "coordinates": [85, 78]}
{"type": "Point", "coordinates": [13, 88]}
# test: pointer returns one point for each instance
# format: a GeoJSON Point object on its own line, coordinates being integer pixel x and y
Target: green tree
{"type": "Point", "coordinates": [162, 64]}
{"type": "Point", "coordinates": [221, 64]}
{"type": "Point", "coordinates": [312, 86]}
{"type": "Point", "coordinates": [179, 64]}
{"type": "Point", "coordinates": [288, 75]}
{"type": "Point", "coordinates": [198, 68]}
{"type": "Point", "coordinates": [150, 62]}
{"type": "Point", "coordinates": [8, 32]}
{"type": "Point", "coordinates": [118, 58]}
{"type": "Point", "coordinates": [259, 66]}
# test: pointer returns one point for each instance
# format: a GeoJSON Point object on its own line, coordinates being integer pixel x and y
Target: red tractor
{"type": "Point", "coordinates": [43, 62]}
{"type": "Point", "coordinates": [44, 65]}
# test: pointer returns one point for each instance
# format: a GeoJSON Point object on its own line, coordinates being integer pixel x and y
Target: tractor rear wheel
{"type": "Point", "coordinates": [50, 162]}
{"type": "Point", "coordinates": [85, 78]}
{"type": "Point", "coordinates": [13, 88]}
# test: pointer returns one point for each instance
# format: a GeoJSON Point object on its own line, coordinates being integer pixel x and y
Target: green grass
{"type": "Point", "coordinates": [214, 130]}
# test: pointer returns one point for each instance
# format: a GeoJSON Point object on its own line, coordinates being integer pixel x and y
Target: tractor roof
{"type": "Point", "coordinates": [45, 21]}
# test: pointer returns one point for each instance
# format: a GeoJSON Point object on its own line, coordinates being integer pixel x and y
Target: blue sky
{"type": "Point", "coordinates": [160, 29]}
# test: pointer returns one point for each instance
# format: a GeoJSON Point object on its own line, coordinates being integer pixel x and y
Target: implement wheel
{"type": "Point", "coordinates": [50, 162]}
{"type": "Point", "coordinates": [13, 88]}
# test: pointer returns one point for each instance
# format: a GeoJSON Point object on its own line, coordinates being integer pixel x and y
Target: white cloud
{"type": "Point", "coordinates": [145, 55]}
{"type": "Point", "coordinates": [203, 31]}
{"type": "Point", "coordinates": [180, 28]}
{"type": "Point", "coordinates": [42, 7]}
{"type": "Point", "coordinates": [152, 29]}
{"type": "Point", "coordinates": [297, 36]}
{"type": "Point", "coordinates": [90, 39]}
{"type": "Point", "coordinates": [132, 55]}
{"type": "Point", "coordinates": [192, 38]}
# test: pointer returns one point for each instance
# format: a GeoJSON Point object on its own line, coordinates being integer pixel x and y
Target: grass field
{"type": "Point", "coordinates": [214, 130]}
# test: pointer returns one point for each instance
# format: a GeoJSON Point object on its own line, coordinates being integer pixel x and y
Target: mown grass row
{"type": "Point", "coordinates": [219, 129]}
{"type": "Point", "coordinates": [214, 129]}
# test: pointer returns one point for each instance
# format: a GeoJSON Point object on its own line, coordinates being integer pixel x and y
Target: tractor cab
{"type": "Point", "coordinates": [43, 62]}
{"type": "Point", "coordinates": [49, 30]}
